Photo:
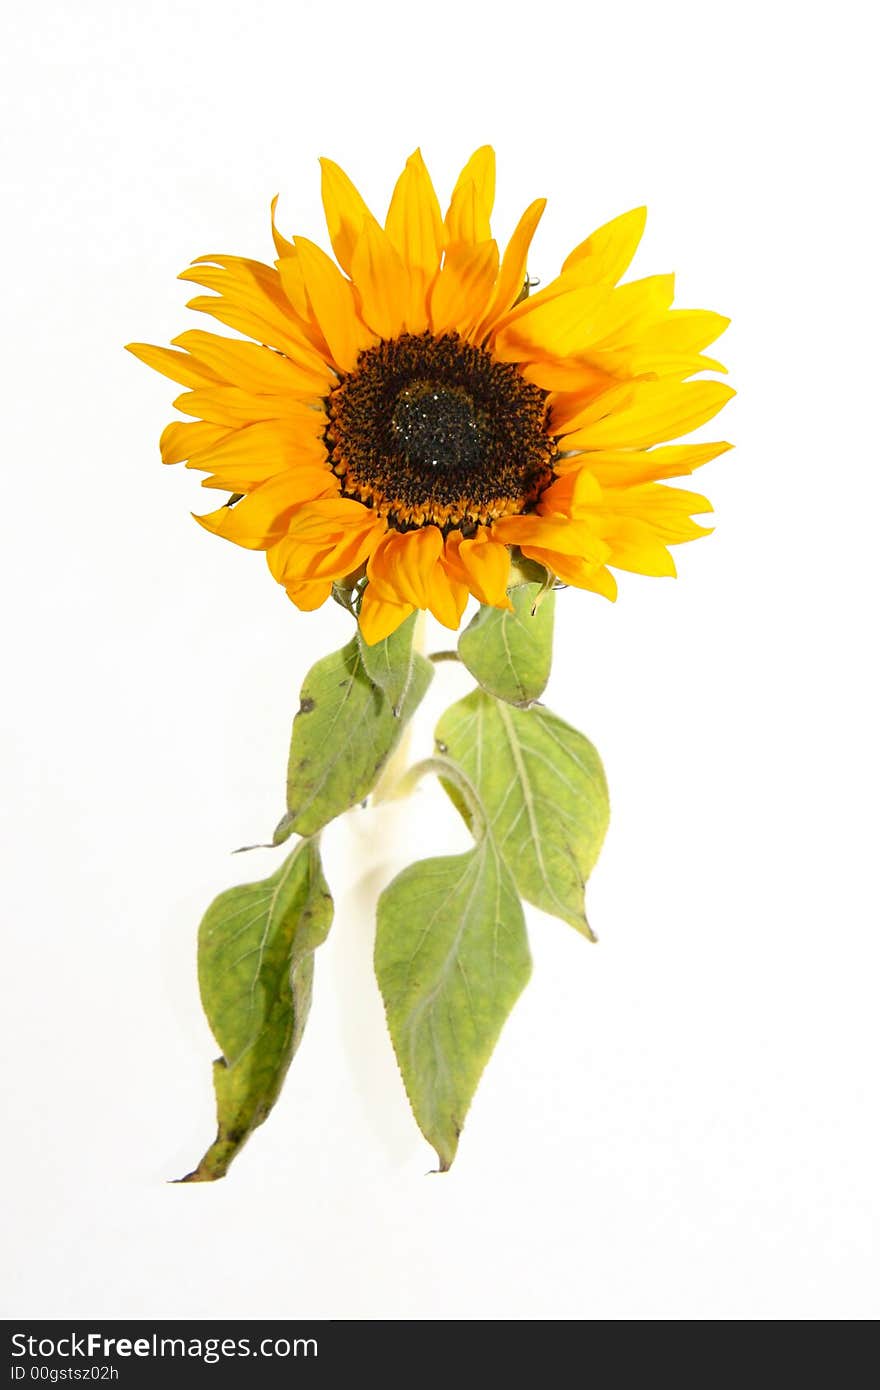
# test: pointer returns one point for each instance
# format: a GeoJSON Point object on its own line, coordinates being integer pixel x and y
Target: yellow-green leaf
{"type": "Point", "coordinates": [543, 790]}
{"type": "Point", "coordinates": [451, 959]}
{"type": "Point", "coordinates": [342, 737]}
{"type": "Point", "coordinates": [510, 653]}
{"type": "Point", "coordinates": [256, 946]}
{"type": "Point", "coordinates": [389, 663]}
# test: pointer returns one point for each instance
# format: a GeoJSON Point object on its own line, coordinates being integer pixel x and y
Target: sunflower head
{"type": "Point", "coordinates": [432, 431]}
{"type": "Point", "coordinates": [404, 418]}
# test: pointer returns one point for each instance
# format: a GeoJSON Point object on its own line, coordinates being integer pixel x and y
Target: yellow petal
{"type": "Point", "coordinates": [326, 522]}
{"type": "Point", "coordinates": [302, 481]}
{"type": "Point", "coordinates": [562, 285]}
{"type": "Point", "coordinates": [345, 211]}
{"type": "Point", "coordinates": [382, 282]}
{"type": "Point", "coordinates": [183, 438]}
{"type": "Point", "coordinates": [259, 519]}
{"type": "Point", "coordinates": [606, 254]}
{"type": "Point", "coordinates": [625, 467]}
{"type": "Point", "coordinates": [552, 533]}
{"type": "Point", "coordinates": [687, 330]}
{"type": "Point", "coordinates": [575, 494]}
{"type": "Point", "coordinates": [447, 596]}
{"type": "Point", "coordinates": [414, 223]}
{"type": "Point", "coordinates": [314, 479]}
{"type": "Point", "coordinates": [252, 300]}
{"type": "Point", "coordinates": [378, 617]}
{"type": "Point", "coordinates": [341, 559]}
{"type": "Point", "coordinates": [403, 563]}
{"type": "Point", "coordinates": [649, 362]}
{"type": "Point", "coordinates": [465, 220]}
{"type": "Point", "coordinates": [326, 539]}
{"type": "Point", "coordinates": [249, 456]}
{"type": "Point", "coordinates": [667, 511]}
{"type": "Point", "coordinates": [309, 595]}
{"type": "Point", "coordinates": [584, 378]}
{"type": "Point", "coordinates": [629, 311]}
{"type": "Point", "coordinates": [587, 322]}
{"type": "Point", "coordinates": [481, 168]}
{"type": "Point", "coordinates": [282, 245]}
{"type": "Point", "coordinates": [570, 410]}
{"type": "Point", "coordinates": [288, 341]}
{"type": "Point", "coordinates": [227, 405]}
{"type": "Point", "coordinates": [634, 547]}
{"type": "Point", "coordinates": [463, 288]}
{"type": "Point", "coordinates": [332, 300]}
{"type": "Point", "coordinates": [284, 440]}
{"type": "Point", "coordinates": [555, 326]}
{"type": "Point", "coordinates": [176, 365]}
{"type": "Point", "coordinates": [253, 279]}
{"type": "Point", "coordinates": [572, 569]}
{"type": "Point", "coordinates": [253, 367]}
{"type": "Point", "coordinates": [473, 199]}
{"type": "Point", "coordinates": [221, 405]}
{"type": "Point", "coordinates": [293, 283]}
{"type": "Point", "coordinates": [512, 275]}
{"type": "Point", "coordinates": [247, 284]}
{"type": "Point", "coordinates": [486, 563]}
{"type": "Point", "coordinates": [658, 411]}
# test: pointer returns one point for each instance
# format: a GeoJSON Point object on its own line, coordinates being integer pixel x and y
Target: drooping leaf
{"type": "Point", "coordinates": [510, 653]}
{"type": "Point", "coordinates": [256, 946]}
{"type": "Point", "coordinates": [543, 789]}
{"type": "Point", "coordinates": [342, 737]}
{"type": "Point", "coordinates": [451, 959]}
{"type": "Point", "coordinates": [389, 663]}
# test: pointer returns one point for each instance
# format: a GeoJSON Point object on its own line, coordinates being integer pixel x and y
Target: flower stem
{"type": "Point", "coordinates": [445, 768]}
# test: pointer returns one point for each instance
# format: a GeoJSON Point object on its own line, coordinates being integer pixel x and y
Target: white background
{"type": "Point", "coordinates": [679, 1123]}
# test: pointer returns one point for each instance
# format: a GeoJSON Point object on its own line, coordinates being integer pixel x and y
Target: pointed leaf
{"type": "Point", "coordinates": [451, 959]}
{"type": "Point", "coordinates": [342, 737]}
{"type": "Point", "coordinates": [256, 947]}
{"type": "Point", "coordinates": [389, 663]}
{"type": "Point", "coordinates": [509, 653]}
{"type": "Point", "coordinates": [543, 789]}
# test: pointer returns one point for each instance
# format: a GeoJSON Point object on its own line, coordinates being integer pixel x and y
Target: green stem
{"type": "Point", "coordinates": [446, 768]}
{"type": "Point", "coordinates": [443, 656]}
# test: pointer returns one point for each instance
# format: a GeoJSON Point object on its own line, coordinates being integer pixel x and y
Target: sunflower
{"type": "Point", "coordinates": [406, 421]}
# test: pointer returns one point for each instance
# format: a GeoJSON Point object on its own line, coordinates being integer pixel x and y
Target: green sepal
{"type": "Point", "coordinates": [509, 653]}
{"type": "Point", "coordinates": [256, 945]}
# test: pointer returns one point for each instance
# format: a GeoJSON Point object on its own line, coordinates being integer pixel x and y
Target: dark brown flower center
{"type": "Point", "coordinates": [434, 431]}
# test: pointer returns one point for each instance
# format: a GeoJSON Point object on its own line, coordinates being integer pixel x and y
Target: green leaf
{"type": "Point", "coordinates": [389, 663]}
{"type": "Point", "coordinates": [452, 958]}
{"type": "Point", "coordinates": [256, 947]}
{"type": "Point", "coordinates": [543, 790]}
{"type": "Point", "coordinates": [509, 653]}
{"type": "Point", "coordinates": [342, 737]}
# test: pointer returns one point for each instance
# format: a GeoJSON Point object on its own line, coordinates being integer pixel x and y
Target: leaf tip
{"type": "Point", "coordinates": [199, 1174]}
{"type": "Point", "coordinates": [284, 829]}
